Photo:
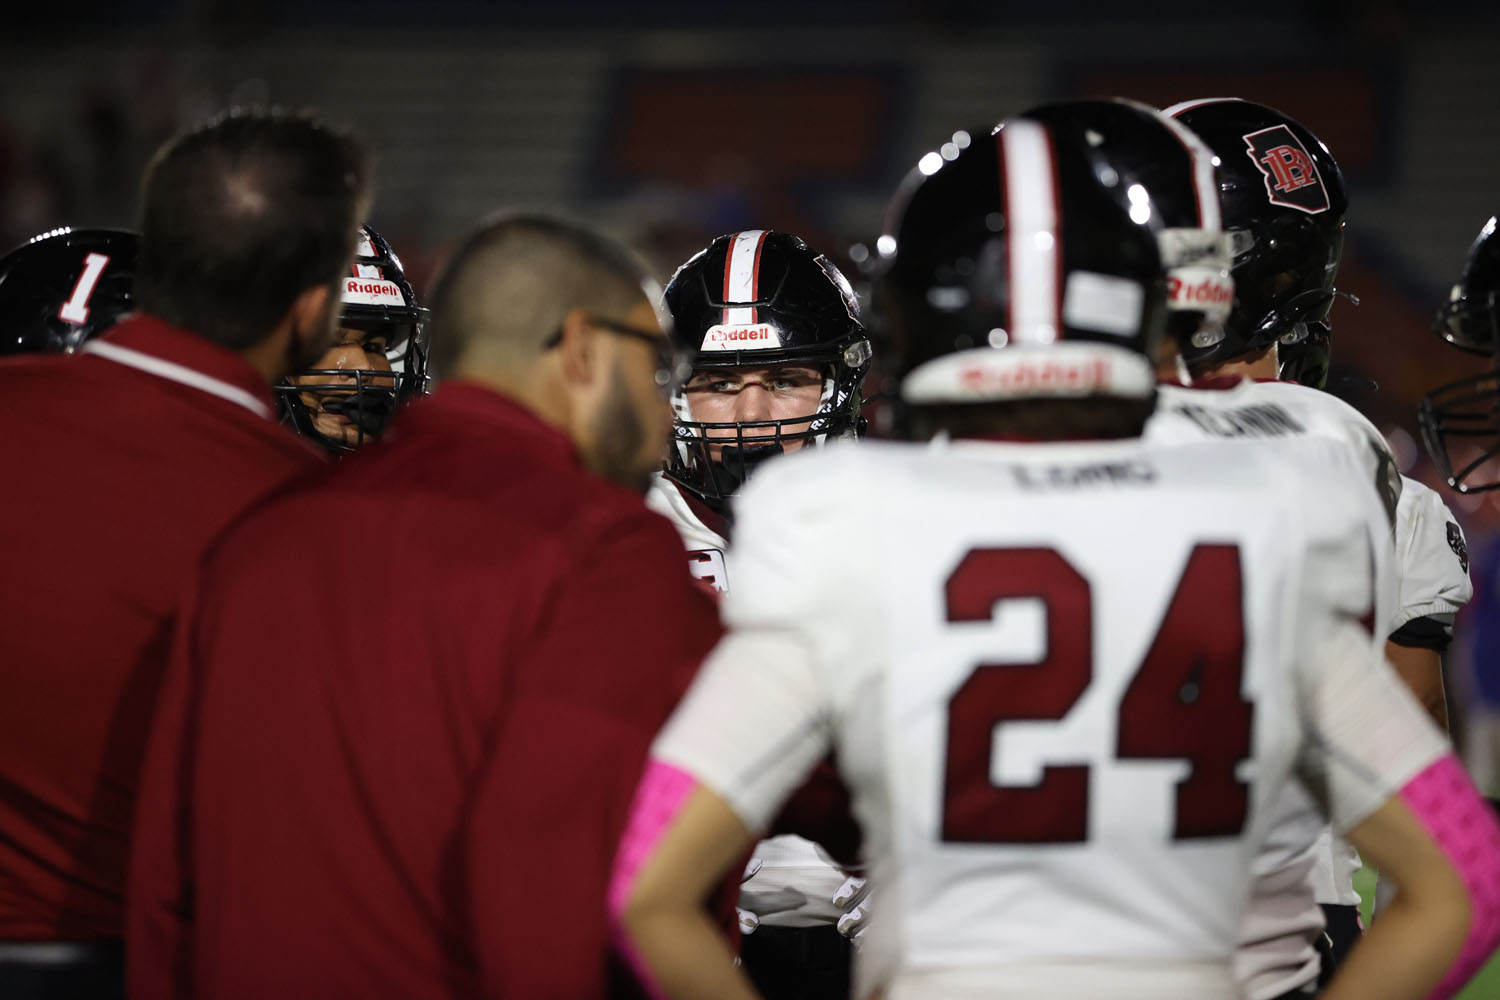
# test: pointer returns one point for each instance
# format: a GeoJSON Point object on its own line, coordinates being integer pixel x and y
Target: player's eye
{"type": "Point", "coordinates": [786, 381]}
{"type": "Point", "coordinates": [701, 383]}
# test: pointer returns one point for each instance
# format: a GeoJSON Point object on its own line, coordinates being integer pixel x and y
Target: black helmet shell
{"type": "Point", "coordinates": [63, 287]}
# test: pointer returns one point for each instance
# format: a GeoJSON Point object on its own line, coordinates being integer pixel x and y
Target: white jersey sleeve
{"type": "Point", "coordinates": [1433, 560]}
{"type": "Point", "coordinates": [752, 726]}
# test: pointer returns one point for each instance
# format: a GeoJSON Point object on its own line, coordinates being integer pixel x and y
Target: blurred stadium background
{"type": "Point", "coordinates": [670, 122]}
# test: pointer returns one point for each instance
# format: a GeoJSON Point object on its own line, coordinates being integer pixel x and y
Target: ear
{"type": "Point", "coordinates": [579, 350]}
{"type": "Point", "coordinates": [312, 322]}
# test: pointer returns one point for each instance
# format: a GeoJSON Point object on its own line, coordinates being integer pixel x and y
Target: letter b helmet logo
{"type": "Point", "coordinates": [1292, 179]}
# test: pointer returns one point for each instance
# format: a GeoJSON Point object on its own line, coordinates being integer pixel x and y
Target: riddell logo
{"type": "Point", "coordinates": [731, 338]}
{"type": "Point", "coordinates": [372, 292]}
{"type": "Point", "coordinates": [1189, 294]}
{"type": "Point", "coordinates": [1043, 375]}
{"type": "Point", "coordinates": [1291, 176]}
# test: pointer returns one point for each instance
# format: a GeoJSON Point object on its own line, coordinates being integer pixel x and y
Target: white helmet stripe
{"type": "Point", "coordinates": [1034, 241]}
{"type": "Point", "coordinates": [1182, 106]}
{"type": "Point", "coordinates": [742, 274]}
{"type": "Point", "coordinates": [1205, 182]}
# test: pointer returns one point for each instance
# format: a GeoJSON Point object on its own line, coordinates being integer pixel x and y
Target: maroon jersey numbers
{"type": "Point", "coordinates": [1183, 703]}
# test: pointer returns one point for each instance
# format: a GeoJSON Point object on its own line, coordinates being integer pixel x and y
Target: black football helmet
{"type": "Point", "coordinates": [1010, 268]}
{"type": "Point", "coordinates": [1460, 421]}
{"type": "Point", "coordinates": [342, 408]}
{"type": "Point", "coordinates": [62, 287]}
{"type": "Point", "coordinates": [754, 299]}
{"type": "Point", "coordinates": [1284, 204]}
{"type": "Point", "coordinates": [1164, 177]}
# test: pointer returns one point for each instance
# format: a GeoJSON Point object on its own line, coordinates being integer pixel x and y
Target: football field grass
{"type": "Point", "coordinates": [1485, 986]}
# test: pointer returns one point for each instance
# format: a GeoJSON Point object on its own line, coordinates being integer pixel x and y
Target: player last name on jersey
{"type": "Point", "coordinates": [1097, 474]}
{"type": "Point", "coordinates": [1255, 420]}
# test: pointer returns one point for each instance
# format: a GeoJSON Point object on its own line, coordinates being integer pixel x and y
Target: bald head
{"type": "Point", "coordinates": [509, 285]}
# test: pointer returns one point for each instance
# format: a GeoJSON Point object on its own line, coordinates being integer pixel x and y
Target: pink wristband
{"type": "Point", "coordinates": [1446, 803]}
{"type": "Point", "coordinates": [659, 797]}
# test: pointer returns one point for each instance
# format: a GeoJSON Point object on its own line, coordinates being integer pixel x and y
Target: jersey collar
{"type": "Point", "coordinates": [148, 344]}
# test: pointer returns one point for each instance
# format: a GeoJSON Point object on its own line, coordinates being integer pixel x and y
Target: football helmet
{"type": "Point", "coordinates": [1284, 203]}
{"type": "Point", "coordinates": [754, 299]}
{"type": "Point", "coordinates": [62, 287]}
{"type": "Point", "coordinates": [1011, 268]}
{"type": "Point", "coordinates": [1460, 421]}
{"type": "Point", "coordinates": [341, 405]}
{"type": "Point", "coordinates": [1165, 177]}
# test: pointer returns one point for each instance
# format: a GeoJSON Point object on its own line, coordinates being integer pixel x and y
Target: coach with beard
{"type": "Point", "coordinates": [409, 700]}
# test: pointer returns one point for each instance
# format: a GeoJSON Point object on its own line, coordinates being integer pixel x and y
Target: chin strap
{"type": "Point", "coordinates": [735, 465]}
{"type": "Point", "coordinates": [368, 409]}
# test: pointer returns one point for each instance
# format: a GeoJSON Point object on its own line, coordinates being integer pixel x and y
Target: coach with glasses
{"type": "Point", "coordinates": [411, 698]}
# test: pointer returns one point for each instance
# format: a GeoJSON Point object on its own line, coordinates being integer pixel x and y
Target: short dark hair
{"type": "Point", "coordinates": [242, 214]}
{"type": "Point", "coordinates": [511, 280]}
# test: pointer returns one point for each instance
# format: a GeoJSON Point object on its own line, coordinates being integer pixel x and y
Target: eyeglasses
{"type": "Point", "coordinates": [673, 368]}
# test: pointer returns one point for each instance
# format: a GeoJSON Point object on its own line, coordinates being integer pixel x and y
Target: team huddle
{"type": "Point", "coordinates": [1099, 675]}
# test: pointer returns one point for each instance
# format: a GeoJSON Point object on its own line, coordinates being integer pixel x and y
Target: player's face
{"type": "Point", "coordinates": [354, 350]}
{"type": "Point", "coordinates": [752, 395]}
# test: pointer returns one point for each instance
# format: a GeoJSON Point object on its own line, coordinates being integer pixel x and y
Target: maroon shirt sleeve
{"type": "Point", "coordinates": [615, 648]}
{"type": "Point", "coordinates": [158, 904]}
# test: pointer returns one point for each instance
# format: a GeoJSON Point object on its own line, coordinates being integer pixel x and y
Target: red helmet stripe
{"type": "Point", "coordinates": [742, 274]}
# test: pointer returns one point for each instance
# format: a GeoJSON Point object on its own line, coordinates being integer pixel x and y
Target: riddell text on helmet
{"type": "Point", "coordinates": [1084, 375]}
{"type": "Point", "coordinates": [372, 292]}
{"type": "Point", "coordinates": [721, 337]}
{"type": "Point", "coordinates": [1208, 291]}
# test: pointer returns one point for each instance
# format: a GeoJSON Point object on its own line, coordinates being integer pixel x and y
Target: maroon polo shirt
{"type": "Point", "coordinates": [114, 479]}
{"type": "Point", "coordinates": [404, 721]}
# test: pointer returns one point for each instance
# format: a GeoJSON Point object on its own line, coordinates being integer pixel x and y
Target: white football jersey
{"type": "Point", "coordinates": [1432, 562]}
{"type": "Point", "coordinates": [1064, 684]}
{"type": "Point", "coordinates": [793, 880]}
{"type": "Point", "coordinates": [1430, 582]}
{"type": "Point", "coordinates": [1250, 410]}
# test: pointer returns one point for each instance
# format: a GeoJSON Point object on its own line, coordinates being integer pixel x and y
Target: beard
{"type": "Point", "coordinates": [619, 438]}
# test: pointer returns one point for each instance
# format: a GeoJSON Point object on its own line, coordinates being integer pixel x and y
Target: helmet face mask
{"type": "Point", "coordinates": [380, 361]}
{"type": "Point", "coordinates": [1460, 421]}
{"type": "Point", "coordinates": [1304, 353]}
{"type": "Point", "coordinates": [760, 301]}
